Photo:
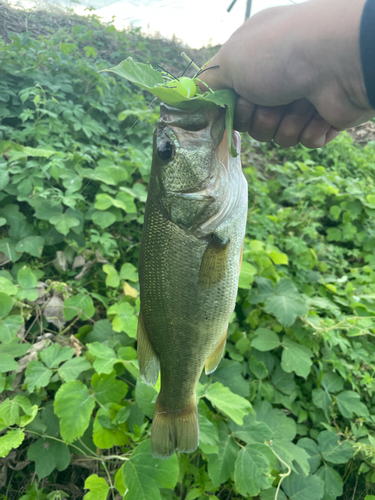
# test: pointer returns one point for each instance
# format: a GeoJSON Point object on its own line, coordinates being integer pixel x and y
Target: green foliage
{"type": "Point", "coordinates": [290, 409]}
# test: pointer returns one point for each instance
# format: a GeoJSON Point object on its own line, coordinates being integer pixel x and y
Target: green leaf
{"type": "Point", "coordinates": [278, 257]}
{"type": "Point", "coordinates": [334, 450]}
{"type": "Point", "coordinates": [4, 179]}
{"type": "Point", "coordinates": [73, 405]}
{"type": "Point", "coordinates": [9, 327]}
{"type": "Point", "coordinates": [7, 363]}
{"type": "Point", "coordinates": [106, 357]}
{"type": "Point", "coordinates": [37, 375]}
{"type": "Point", "coordinates": [32, 245]}
{"type": "Point", "coordinates": [48, 455]}
{"type": "Point", "coordinates": [125, 319]}
{"type": "Point", "coordinates": [246, 275]}
{"type": "Point", "coordinates": [144, 475]}
{"type": "Point", "coordinates": [298, 487]}
{"type": "Point", "coordinates": [107, 389]}
{"type": "Point", "coordinates": [270, 494]}
{"type": "Point", "coordinates": [64, 222]}
{"type": "Point", "coordinates": [257, 368]}
{"type": "Point", "coordinates": [7, 287]}
{"type": "Point", "coordinates": [98, 488]}
{"type": "Point", "coordinates": [286, 304]}
{"type": "Point", "coordinates": [333, 483]}
{"type": "Point", "coordinates": [313, 451]}
{"type": "Point", "coordinates": [322, 400]}
{"type": "Point", "coordinates": [208, 435]}
{"type": "Point", "coordinates": [145, 396]}
{"type": "Point", "coordinates": [103, 219]}
{"type": "Point", "coordinates": [349, 402]}
{"type": "Point", "coordinates": [266, 340]}
{"type": "Point", "coordinates": [79, 305]}
{"type": "Point", "coordinates": [281, 426]}
{"type": "Point", "coordinates": [54, 355]}
{"type": "Point", "coordinates": [71, 369]}
{"type": "Point", "coordinates": [251, 431]}
{"type": "Point", "coordinates": [12, 439]}
{"type": "Point", "coordinates": [296, 357]}
{"type": "Point", "coordinates": [128, 272]}
{"type": "Point", "coordinates": [115, 435]}
{"type": "Point", "coordinates": [112, 279]}
{"type": "Point", "coordinates": [290, 452]}
{"type": "Point", "coordinates": [252, 470]}
{"type": "Point", "coordinates": [9, 413]}
{"type": "Point", "coordinates": [234, 406]}
{"type": "Point", "coordinates": [6, 304]}
{"type": "Point", "coordinates": [221, 464]}
{"type": "Point", "coordinates": [26, 278]}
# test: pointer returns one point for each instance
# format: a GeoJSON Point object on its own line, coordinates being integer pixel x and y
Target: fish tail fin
{"type": "Point", "coordinates": [148, 360]}
{"type": "Point", "coordinates": [174, 430]}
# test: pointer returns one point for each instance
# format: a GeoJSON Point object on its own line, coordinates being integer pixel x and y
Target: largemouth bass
{"type": "Point", "coordinates": [189, 265]}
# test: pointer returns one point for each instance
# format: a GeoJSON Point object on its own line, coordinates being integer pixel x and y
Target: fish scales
{"type": "Point", "coordinates": [189, 263]}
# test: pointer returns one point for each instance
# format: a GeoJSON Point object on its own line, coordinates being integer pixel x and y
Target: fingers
{"type": "Point", "coordinates": [287, 126]}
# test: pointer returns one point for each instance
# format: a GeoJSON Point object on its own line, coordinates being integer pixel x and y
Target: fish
{"type": "Point", "coordinates": [189, 264]}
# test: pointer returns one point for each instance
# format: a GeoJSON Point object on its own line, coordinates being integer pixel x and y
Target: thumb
{"type": "Point", "coordinates": [213, 76]}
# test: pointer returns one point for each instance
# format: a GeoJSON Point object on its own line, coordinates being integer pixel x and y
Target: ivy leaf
{"type": "Point", "coordinates": [296, 357]}
{"type": "Point", "coordinates": [107, 389]}
{"type": "Point", "coordinates": [252, 470]}
{"type": "Point", "coordinates": [266, 340]}
{"type": "Point", "coordinates": [54, 355]}
{"type": "Point", "coordinates": [144, 475]}
{"type": "Point", "coordinates": [349, 402]}
{"type": "Point", "coordinates": [98, 488]}
{"type": "Point", "coordinates": [79, 305]}
{"type": "Point", "coordinates": [32, 245]}
{"type": "Point", "coordinates": [37, 375]}
{"type": "Point", "coordinates": [298, 487]}
{"type": "Point", "coordinates": [334, 450]}
{"type": "Point", "coordinates": [333, 483]}
{"type": "Point", "coordinates": [64, 222]}
{"type": "Point", "coordinates": [236, 407]}
{"type": "Point", "coordinates": [48, 455]}
{"type": "Point", "coordinates": [221, 464]}
{"type": "Point", "coordinates": [71, 369]}
{"type": "Point", "coordinates": [12, 439]}
{"type": "Point", "coordinates": [73, 405]}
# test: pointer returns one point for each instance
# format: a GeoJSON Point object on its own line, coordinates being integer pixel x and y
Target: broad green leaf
{"type": "Point", "coordinates": [229, 373]}
{"type": "Point", "coordinates": [258, 368]}
{"type": "Point", "coordinates": [110, 174]}
{"type": "Point", "coordinates": [221, 464]}
{"type": "Point", "coordinates": [116, 435]}
{"type": "Point", "coordinates": [246, 275]}
{"type": "Point", "coordinates": [286, 304]}
{"type": "Point", "coordinates": [145, 396]}
{"type": "Point", "coordinates": [333, 483]}
{"type": "Point", "coordinates": [144, 475]}
{"type": "Point", "coordinates": [7, 287]}
{"type": "Point", "coordinates": [37, 375]}
{"type": "Point", "coordinates": [125, 319]}
{"type": "Point", "coordinates": [296, 357]}
{"type": "Point", "coordinates": [4, 179]}
{"type": "Point", "coordinates": [334, 450]}
{"type": "Point", "coordinates": [251, 431]}
{"type": "Point", "coordinates": [313, 451]}
{"type": "Point", "coordinates": [252, 471]}
{"type": "Point", "coordinates": [73, 405]}
{"type": "Point", "coordinates": [64, 222]}
{"type": "Point", "coordinates": [32, 245]}
{"type": "Point", "coordinates": [284, 382]}
{"type": "Point", "coordinates": [270, 494]}
{"type": "Point", "coordinates": [106, 357]}
{"type": "Point", "coordinates": [281, 426]}
{"type": "Point", "coordinates": [98, 488]}
{"type": "Point", "coordinates": [298, 487]}
{"type": "Point", "coordinates": [12, 439]}
{"type": "Point", "coordinates": [290, 452]}
{"type": "Point", "coordinates": [103, 218]}
{"type": "Point", "coordinates": [119, 481]}
{"type": "Point", "coordinates": [6, 304]}
{"type": "Point", "coordinates": [7, 363]}
{"type": "Point", "coordinates": [112, 279]}
{"type": "Point", "coordinates": [234, 406]}
{"type": "Point", "coordinates": [79, 305]}
{"type": "Point", "coordinates": [71, 369]}
{"type": "Point", "coordinates": [322, 400]}
{"type": "Point", "coordinates": [278, 257]}
{"type": "Point", "coordinates": [107, 389]}
{"type": "Point", "coordinates": [55, 354]}
{"type": "Point", "coordinates": [48, 454]}
{"type": "Point", "coordinates": [128, 272]}
{"type": "Point", "coordinates": [266, 340]}
{"type": "Point", "coordinates": [9, 327]}
{"type": "Point", "coordinates": [349, 403]}
{"type": "Point", "coordinates": [26, 278]}
{"type": "Point", "coordinates": [208, 435]}
{"type": "Point", "coordinates": [9, 413]}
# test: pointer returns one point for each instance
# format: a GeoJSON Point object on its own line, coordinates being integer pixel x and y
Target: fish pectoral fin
{"type": "Point", "coordinates": [214, 262]}
{"type": "Point", "coordinates": [213, 360]}
{"type": "Point", "coordinates": [148, 360]}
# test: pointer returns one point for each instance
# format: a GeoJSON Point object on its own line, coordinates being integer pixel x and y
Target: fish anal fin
{"type": "Point", "coordinates": [214, 262]}
{"type": "Point", "coordinates": [174, 430]}
{"type": "Point", "coordinates": [148, 360]}
{"type": "Point", "coordinates": [214, 359]}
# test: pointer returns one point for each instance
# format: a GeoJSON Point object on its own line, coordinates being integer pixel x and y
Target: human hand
{"type": "Point", "coordinates": [298, 73]}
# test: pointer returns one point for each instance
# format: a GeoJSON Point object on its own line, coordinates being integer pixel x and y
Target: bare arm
{"type": "Point", "coordinates": [298, 72]}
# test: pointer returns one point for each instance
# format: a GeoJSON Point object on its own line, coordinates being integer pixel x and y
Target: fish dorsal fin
{"type": "Point", "coordinates": [214, 262]}
{"type": "Point", "coordinates": [148, 360]}
{"type": "Point", "coordinates": [213, 360]}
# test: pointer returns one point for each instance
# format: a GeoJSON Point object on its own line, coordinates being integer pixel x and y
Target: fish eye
{"type": "Point", "coordinates": [165, 151]}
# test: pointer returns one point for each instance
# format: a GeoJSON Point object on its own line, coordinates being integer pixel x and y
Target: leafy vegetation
{"type": "Point", "coordinates": [290, 411]}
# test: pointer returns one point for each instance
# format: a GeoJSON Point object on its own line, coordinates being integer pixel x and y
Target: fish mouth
{"type": "Point", "coordinates": [195, 195]}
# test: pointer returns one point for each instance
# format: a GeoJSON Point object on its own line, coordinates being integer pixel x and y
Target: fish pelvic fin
{"type": "Point", "coordinates": [148, 360]}
{"type": "Point", "coordinates": [214, 358]}
{"type": "Point", "coordinates": [214, 262]}
{"type": "Point", "coordinates": [174, 430]}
